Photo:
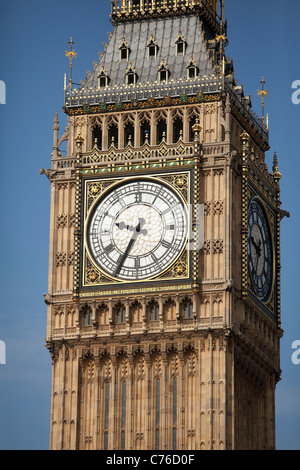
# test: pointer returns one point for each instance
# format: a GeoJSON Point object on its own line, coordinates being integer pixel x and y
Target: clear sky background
{"type": "Point", "coordinates": [34, 34]}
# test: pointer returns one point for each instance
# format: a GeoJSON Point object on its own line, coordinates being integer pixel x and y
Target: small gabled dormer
{"type": "Point", "coordinates": [180, 44]}
{"type": "Point", "coordinates": [163, 72]}
{"type": "Point", "coordinates": [131, 75]}
{"type": "Point", "coordinates": [103, 79]}
{"type": "Point", "coordinates": [152, 48]}
{"type": "Point", "coordinates": [124, 50]}
{"type": "Point", "coordinates": [192, 69]}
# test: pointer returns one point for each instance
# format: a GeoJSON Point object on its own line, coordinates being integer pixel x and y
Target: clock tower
{"type": "Point", "coordinates": [164, 269]}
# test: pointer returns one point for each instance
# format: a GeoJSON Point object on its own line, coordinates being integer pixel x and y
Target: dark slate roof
{"type": "Point", "coordinates": [137, 34]}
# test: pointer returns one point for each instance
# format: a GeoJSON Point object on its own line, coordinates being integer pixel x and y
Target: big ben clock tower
{"type": "Point", "coordinates": [164, 272]}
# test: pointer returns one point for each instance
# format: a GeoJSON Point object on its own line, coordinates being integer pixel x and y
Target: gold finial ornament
{"type": "Point", "coordinates": [276, 174]}
{"type": "Point", "coordinates": [263, 94]}
{"type": "Point", "coordinates": [221, 38]}
{"type": "Point", "coordinates": [71, 55]}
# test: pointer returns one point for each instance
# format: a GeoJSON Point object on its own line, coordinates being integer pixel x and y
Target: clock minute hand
{"type": "Point", "coordinates": [129, 246]}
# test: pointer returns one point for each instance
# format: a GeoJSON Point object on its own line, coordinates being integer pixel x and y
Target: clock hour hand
{"type": "Point", "coordinates": [137, 231]}
{"type": "Point", "coordinates": [257, 247]}
{"type": "Point", "coordinates": [123, 226]}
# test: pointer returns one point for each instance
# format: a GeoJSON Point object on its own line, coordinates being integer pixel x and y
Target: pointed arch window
{"type": "Point", "coordinates": [120, 314]}
{"type": "Point", "coordinates": [103, 79]}
{"type": "Point", "coordinates": [188, 309]}
{"type": "Point", "coordinates": [177, 129]}
{"type": "Point", "coordinates": [131, 75]}
{"type": "Point", "coordinates": [145, 132]}
{"type": "Point", "coordinates": [180, 44]}
{"type": "Point", "coordinates": [87, 316]}
{"type": "Point", "coordinates": [97, 137]}
{"type": "Point", "coordinates": [129, 134]}
{"type": "Point", "coordinates": [152, 48]}
{"type": "Point", "coordinates": [154, 311]}
{"type": "Point", "coordinates": [163, 72]}
{"type": "Point", "coordinates": [192, 69]}
{"type": "Point", "coordinates": [124, 50]}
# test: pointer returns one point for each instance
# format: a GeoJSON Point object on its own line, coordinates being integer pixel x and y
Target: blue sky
{"type": "Point", "coordinates": [34, 36]}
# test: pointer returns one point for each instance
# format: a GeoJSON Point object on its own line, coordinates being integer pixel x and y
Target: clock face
{"type": "Point", "coordinates": [137, 229]}
{"type": "Point", "coordinates": [260, 250]}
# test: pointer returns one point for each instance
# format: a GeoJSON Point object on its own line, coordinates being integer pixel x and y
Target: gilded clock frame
{"type": "Point", "coordinates": [179, 272]}
{"type": "Point", "coordinates": [270, 305]}
{"type": "Point", "coordinates": [270, 216]}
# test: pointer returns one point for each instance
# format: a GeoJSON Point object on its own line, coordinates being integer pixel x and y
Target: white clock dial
{"type": "Point", "coordinates": [137, 229]}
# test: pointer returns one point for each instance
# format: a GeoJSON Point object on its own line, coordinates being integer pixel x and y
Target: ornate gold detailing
{"type": "Point", "coordinates": [70, 55]}
{"type": "Point", "coordinates": [79, 142]}
{"type": "Point", "coordinates": [276, 175]}
{"type": "Point", "coordinates": [263, 94]}
{"type": "Point", "coordinates": [146, 152]}
{"type": "Point", "coordinates": [124, 10]}
{"type": "Point", "coordinates": [94, 188]}
{"type": "Point", "coordinates": [148, 103]}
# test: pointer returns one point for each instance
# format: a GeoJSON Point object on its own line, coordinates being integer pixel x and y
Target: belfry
{"type": "Point", "coordinates": [164, 319]}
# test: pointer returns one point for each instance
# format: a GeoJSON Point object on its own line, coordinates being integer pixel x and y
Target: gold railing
{"type": "Point", "coordinates": [131, 9]}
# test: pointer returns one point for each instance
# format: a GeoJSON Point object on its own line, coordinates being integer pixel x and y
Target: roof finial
{"type": "Point", "coordinates": [263, 94]}
{"type": "Point", "coordinates": [221, 38]}
{"type": "Point", "coordinates": [71, 55]}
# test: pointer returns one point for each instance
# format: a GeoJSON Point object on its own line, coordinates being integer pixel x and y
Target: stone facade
{"type": "Point", "coordinates": [194, 361]}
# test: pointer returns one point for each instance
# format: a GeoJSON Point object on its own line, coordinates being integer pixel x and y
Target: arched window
{"type": "Point", "coordinates": [124, 50]}
{"type": "Point", "coordinates": [87, 317]}
{"type": "Point", "coordinates": [131, 75]}
{"type": "Point", "coordinates": [192, 70]}
{"type": "Point", "coordinates": [177, 130]}
{"type": "Point", "coordinates": [188, 309]}
{"type": "Point", "coordinates": [161, 131]}
{"type": "Point", "coordinates": [129, 134]}
{"type": "Point", "coordinates": [154, 311]}
{"type": "Point", "coordinates": [113, 135]}
{"type": "Point", "coordinates": [180, 44]}
{"type": "Point", "coordinates": [145, 132]}
{"type": "Point", "coordinates": [152, 48]}
{"type": "Point", "coordinates": [120, 314]}
{"type": "Point", "coordinates": [97, 137]}
{"type": "Point", "coordinates": [103, 79]}
{"type": "Point", "coordinates": [163, 72]}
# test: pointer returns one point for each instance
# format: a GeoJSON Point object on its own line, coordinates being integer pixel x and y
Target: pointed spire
{"type": "Point", "coordinates": [56, 121]}
{"type": "Point", "coordinates": [263, 94]}
{"type": "Point", "coordinates": [71, 54]}
{"type": "Point", "coordinates": [55, 153]}
{"type": "Point", "coordinates": [276, 174]}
